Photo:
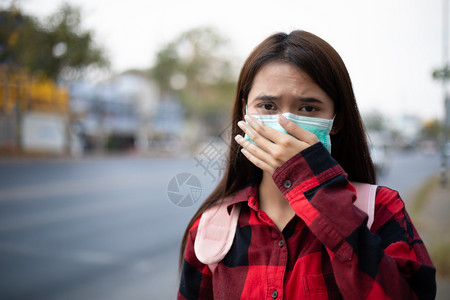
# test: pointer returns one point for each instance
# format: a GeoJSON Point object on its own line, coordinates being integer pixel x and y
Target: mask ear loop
{"type": "Point", "coordinates": [246, 113]}
{"type": "Point", "coordinates": [332, 124]}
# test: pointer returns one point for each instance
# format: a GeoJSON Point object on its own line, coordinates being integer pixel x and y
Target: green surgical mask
{"type": "Point", "coordinates": [320, 127]}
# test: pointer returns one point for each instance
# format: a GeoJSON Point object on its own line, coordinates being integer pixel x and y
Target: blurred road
{"type": "Point", "coordinates": [91, 229]}
{"type": "Point", "coordinates": [104, 228]}
{"type": "Point", "coordinates": [408, 170]}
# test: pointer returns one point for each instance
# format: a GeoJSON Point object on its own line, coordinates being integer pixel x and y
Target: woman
{"type": "Point", "coordinates": [298, 234]}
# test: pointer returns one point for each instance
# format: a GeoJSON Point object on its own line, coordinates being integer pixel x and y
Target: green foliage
{"type": "Point", "coordinates": [59, 48]}
{"type": "Point", "coordinates": [440, 258]}
{"type": "Point", "coordinates": [443, 73]}
{"type": "Point", "coordinates": [431, 130]}
{"type": "Point", "coordinates": [194, 67]}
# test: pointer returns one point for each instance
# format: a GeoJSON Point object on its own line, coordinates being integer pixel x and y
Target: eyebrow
{"type": "Point", "coordinates": [309, 100]}
{"type": "Point", "coordinates": [267, 97]}
{"type": "Point", "coordinates": [302, 99]}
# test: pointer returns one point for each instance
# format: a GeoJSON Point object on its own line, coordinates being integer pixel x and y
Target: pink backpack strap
{"type": "Point", "coordinates": [215, 233]}
{"type": "Point", "coordinates": [365, 199]}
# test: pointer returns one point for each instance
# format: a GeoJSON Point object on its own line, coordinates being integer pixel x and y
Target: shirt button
{"type": "Point", "coordinates": [280, 243]}
{"type": "Point", "coordinates": [287, 184]}
{"type": "Point", "coordinates": [275, 294]}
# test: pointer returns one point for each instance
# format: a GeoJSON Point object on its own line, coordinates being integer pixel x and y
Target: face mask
{"type": "Point", "coordinates": [320, 127]}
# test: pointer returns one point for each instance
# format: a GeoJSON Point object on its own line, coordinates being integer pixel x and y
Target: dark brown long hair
{"type": "Point", "coordinates": [324, 65]}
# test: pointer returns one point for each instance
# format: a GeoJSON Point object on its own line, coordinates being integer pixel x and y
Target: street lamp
{"type": "Point", "coordinates": [445, 75]}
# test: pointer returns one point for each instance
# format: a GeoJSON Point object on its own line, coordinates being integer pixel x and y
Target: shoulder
{"type": "Point", "coordinates": [389, 198]}
{"type": "Point", "coordinates": [389, 206]}
{"type": "Point", "coordinates": [194, 227]}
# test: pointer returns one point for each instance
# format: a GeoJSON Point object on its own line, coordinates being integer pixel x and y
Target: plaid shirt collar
{"type": "Point", "coordinates": [247, 194]}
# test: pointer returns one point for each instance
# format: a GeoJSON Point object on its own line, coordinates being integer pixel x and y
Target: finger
{"type": "Point", "coordinates": [257, 162]}
{"type": "Point", "coordinates": [270, 134]}
{"type": "Point", "coordinates": [257, 138]}
{"type": "Point", "coordinates": [255, 150]}
{"type": "Point", "coordinates": [297, 131]}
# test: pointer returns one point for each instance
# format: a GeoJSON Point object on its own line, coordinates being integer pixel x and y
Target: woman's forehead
{"type": "Point", "coordinates": [276, 80]}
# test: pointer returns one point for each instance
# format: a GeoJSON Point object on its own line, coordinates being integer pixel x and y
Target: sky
{"type": "Point", "coordinates": [390, 47]}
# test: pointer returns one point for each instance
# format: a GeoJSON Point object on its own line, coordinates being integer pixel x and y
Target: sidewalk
{"type": "Point", "coordinates": [432, 221]}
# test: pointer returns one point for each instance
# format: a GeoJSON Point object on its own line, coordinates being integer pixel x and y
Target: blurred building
{"type": "Point", "coordinates": [408, 130]}
{"type": "Point", "coordinates": [124, 113]}
{"type": "Point", "coordinates": [33, 112]}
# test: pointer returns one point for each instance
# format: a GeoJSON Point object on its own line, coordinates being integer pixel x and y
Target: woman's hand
{"type": "Point", "coordinates": [273, 148]}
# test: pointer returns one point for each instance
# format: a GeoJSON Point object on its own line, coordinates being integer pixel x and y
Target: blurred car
{"type": "Point", "coordinates": [447, 149]}
{"type": "Point", "coordinates": [428, 147]}
{"type": "Point", "coordinates": [380, 158]}
{"type": "Point", "coordinates": [379, 151]}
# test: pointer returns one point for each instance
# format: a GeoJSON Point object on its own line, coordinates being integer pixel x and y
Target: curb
{"type": "Point", "coordinates": [430, 211]}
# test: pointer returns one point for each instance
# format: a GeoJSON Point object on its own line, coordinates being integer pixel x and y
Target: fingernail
{"type": "Point", "coordinates": [238, 138]}
{"type": "Point", "coordinates": [241, 124]}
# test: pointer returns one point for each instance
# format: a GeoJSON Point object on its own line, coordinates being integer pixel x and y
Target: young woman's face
{"type": "Point", "coordinates": [281, 87]}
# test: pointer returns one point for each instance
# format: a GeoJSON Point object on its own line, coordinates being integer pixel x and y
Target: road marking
{"type": "Point", "coordinates": [77, 187]}
{"type": "Point", "coordinates": [100, 258]}
{"type": "Point", "coordinates": [141, 265]}
{"type": "Point", "coordinates": [89, 210]}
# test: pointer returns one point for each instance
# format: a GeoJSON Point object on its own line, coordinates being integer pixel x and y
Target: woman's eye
{"type": "Point", "coordinates": [268, 106]}
{"type": "Point", "coordinates": [308, 108]}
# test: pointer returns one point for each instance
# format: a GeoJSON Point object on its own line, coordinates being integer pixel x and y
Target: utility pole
{"type": "Point", "coordinates": [444, 74]}
{"type": "Point", "coordinates": [446, 121]}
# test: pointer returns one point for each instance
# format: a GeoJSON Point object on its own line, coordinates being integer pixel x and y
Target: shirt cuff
{"type": "Point", "coordinates": [307, 169]}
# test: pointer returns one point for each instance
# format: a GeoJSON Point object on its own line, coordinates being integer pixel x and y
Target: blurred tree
{"type": "Point", "coordinates": [195, 66]}
{"type": "Point", "coordinates": [59, 48]}
{"type": "Point", "coordinates": [431, 130]}
{"type": "Point", "coordinates": [440, 74]}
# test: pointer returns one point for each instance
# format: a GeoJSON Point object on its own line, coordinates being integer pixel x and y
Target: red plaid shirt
{"type": "Point", "coordinates": [325, 252]}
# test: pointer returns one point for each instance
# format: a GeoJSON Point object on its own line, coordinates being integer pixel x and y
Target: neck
{"type": "Point", "coordinates": [273, 202]}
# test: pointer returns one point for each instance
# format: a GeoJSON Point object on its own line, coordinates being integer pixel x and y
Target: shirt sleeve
{"type": "Point", "coordinates": [196, 278]}
{"type": "Point", "coordinates": [389, 261]}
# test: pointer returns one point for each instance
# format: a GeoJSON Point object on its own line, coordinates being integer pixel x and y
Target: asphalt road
{"type": "Point", "coordinates": [408, 170]}
{"type": "Point", "coordinates": [109, 228]}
